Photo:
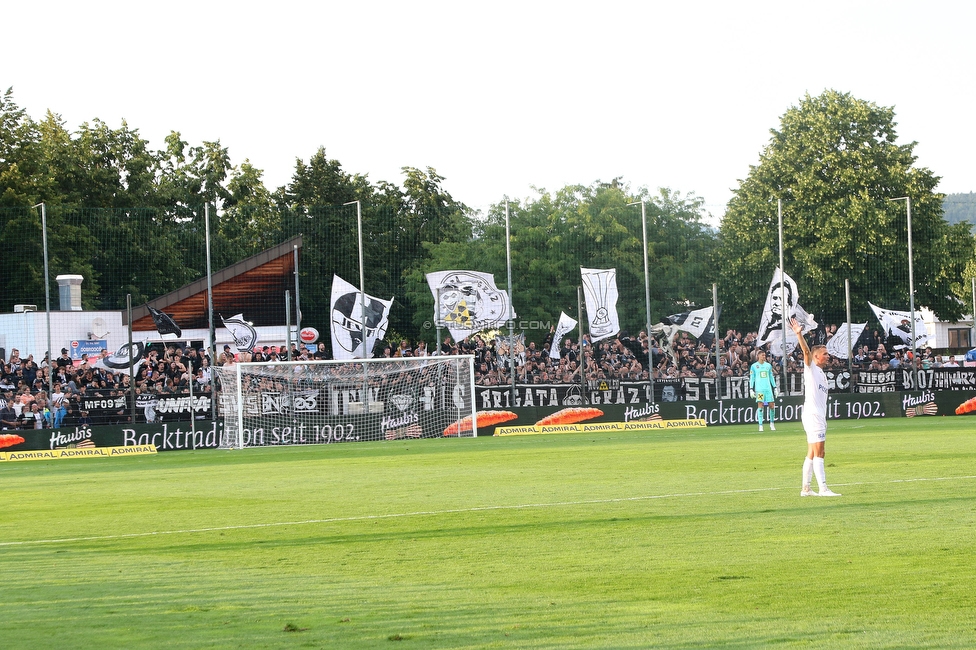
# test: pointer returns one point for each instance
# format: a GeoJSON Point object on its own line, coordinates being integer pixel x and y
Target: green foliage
{"type": "Point", "coordinates": [835, 165]}
{"type": "Point", "coordinates": [623, 540]}
{"type": "Point", "coordinates": [131, 220]}
{"type": "Point", "coordinates": [595, 226]}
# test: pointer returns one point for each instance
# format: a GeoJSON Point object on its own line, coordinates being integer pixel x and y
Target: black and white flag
{"type": "Point", "coordinates": [467, 302]}
{"type": "Point", "coordinates": [164, 323]}
{"type": "Point", "coordinates": [600, 292]}
{"type": "Point", "coordinates": [355, 329]}
{"type": "Point", "coordinates": [245, 336]}
{"type": "Point", "coordinates": [700, 323]}
{"type": "Point", "coordinates": [565, 325]}
{"type": "Point", "coordinates": [899, 323]}
{"type": "Point", "coordinates": [837, 344]}
{"type": "Point", "coordinates": [772, 325]}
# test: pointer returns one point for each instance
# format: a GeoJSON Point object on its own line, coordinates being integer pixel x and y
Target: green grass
{"type": "Point", "coordinates": [685, 539]}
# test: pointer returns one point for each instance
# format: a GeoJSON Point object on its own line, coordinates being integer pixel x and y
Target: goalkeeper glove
{"type": "Point", "coordinates": [776, 392]}
{"type": "Point", "coordinates": [752, 393]}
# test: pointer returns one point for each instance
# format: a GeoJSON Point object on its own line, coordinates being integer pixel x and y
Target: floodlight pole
{"type": "Point", "coordinates": [47, 299]}
{"type": "Point", "coordinates": [647, 301]}
{"type": "Point", "coordinates": [362, 275]}
{"type": "Point", "coordinates": [362, 299]}
{"type": "Point", "coordinates": [298, 309]}
{"type": "Point", "coordinates": [132, 378]}
{"type": "Point", "coordinates": [210, 318]}
{"type": "Point", "coordinates": [782, 288]}
{"type": "Point", "coordinates": [911, 273]}
{"type": "Point", "coordinates": [850, 351]}
{"type": "Point", "coordinates": [511, 306]}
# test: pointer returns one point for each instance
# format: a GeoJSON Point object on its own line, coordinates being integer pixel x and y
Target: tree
{"type": "Point", "coordinates": [593, 226]}
{"type": "Point", "coordinates": [835, 164]}
{"type": "Point", "coordinates": [19, 154]}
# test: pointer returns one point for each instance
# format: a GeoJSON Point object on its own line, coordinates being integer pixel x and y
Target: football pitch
{"type": "Point", "coordinates": [686, 538]}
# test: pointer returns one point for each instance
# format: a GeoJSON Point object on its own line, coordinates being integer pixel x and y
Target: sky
{"type": "Point", "coordinates": [502, 99]}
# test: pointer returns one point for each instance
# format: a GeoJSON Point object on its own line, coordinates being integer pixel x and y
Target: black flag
{"type": "Point", "coordinates": [165, 323]}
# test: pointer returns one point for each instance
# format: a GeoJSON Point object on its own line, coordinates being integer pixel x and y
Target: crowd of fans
{"type": "Point", "coordinates": [28, 398]}
{"type": "Point", "coordinates": [55, 394]}
{"type": "Point", "coordinates": [625, 358]}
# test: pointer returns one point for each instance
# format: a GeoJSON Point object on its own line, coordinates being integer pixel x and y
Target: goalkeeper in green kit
{"type": "Point", "coordinates": [762, 388]}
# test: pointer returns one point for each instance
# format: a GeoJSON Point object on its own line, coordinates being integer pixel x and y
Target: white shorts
{"type": "Point", "coordinates": [815, 427]}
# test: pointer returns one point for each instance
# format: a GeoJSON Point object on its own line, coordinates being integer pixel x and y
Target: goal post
{"type": "Point", "coordinates": [318, 402]}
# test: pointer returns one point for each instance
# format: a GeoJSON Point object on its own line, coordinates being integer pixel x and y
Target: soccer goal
{"type": "Point", "coordinates": [316, 402]}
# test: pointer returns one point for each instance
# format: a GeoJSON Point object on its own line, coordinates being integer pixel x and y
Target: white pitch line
{"type": "Point", "coordinates": [426, 513]}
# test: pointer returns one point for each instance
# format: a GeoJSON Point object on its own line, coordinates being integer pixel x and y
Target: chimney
{"type": "Point", "coordinates": [69, 290]}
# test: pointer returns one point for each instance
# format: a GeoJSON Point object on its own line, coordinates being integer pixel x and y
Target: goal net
{"type": "Point", "coordinates": [315, 402]}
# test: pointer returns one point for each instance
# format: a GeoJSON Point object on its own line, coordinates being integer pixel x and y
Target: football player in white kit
{"type": "Point", "coordinates": [814, 416]}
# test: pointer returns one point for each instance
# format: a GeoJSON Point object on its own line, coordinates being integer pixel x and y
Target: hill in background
{"type": "Point", "coordinates": [960, 207]}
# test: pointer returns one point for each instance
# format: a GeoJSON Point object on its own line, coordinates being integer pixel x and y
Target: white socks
{"type": "Point", "coordinates": [807, 471]}
{"type": "Point", "coordinates": [818, 469]}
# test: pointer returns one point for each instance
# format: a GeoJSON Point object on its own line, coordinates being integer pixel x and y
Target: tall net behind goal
{"type": "Point", "coordinates": [316, 402]}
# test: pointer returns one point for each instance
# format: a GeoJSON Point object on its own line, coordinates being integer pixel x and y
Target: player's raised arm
{"type": "Point", "coordinates": [798, 330]}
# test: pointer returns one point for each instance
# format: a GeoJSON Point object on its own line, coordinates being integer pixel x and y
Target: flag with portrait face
{"type": "Point", "coordinates": [772, 325]}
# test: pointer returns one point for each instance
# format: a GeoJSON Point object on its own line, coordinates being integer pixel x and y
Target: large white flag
{"type": "Point", "coordinates": [565, 325]}
{"type": "Point", "coordinates": [899, 323]}
{"type": "Point", "coordinates": [245, 336]}
{"type": "Point", "coordinates": [467, 302]}
{"type": "Point", "coordinates": [350, 340]}
{"type": "Point", "coordinates": [600, 292]}
{"type": "Point", "coordinates": [837, 344]}
{"type": "Point", "coordinates": [700, 323]}
{"type": "Point", "coordinates": [771, 324]}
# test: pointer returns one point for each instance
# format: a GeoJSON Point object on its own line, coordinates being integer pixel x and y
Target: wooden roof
{"type": "Point", "coordinates": [254, 286]}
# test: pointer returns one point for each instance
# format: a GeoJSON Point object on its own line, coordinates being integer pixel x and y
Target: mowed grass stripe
{"type": "Point", "coordinates": [613, 565]}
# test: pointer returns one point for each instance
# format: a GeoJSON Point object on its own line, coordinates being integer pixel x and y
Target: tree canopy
{"type": "Point", "coordinates": [130, 219]}
{"type": "Point", "coordinates": [835, 164]}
